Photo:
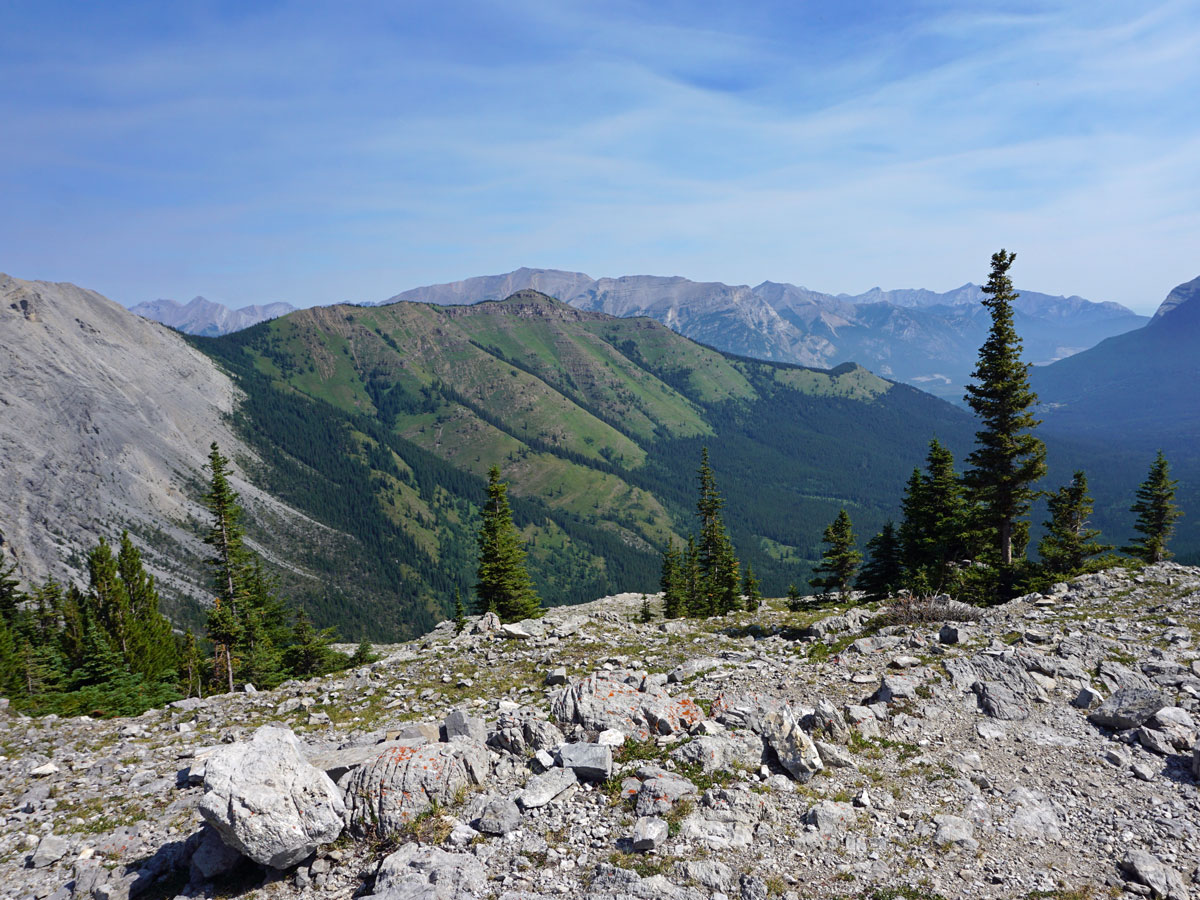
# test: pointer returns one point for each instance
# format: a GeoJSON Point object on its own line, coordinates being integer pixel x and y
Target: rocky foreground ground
{"type": "Point", "coordinates": [1044, 748]}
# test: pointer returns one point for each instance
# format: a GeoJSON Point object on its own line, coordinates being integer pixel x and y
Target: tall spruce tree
{"type": "Point", "coordinates": [1008, 458]}
{"type": "Point", "coordinates": [883, 572]}
{"type": "Point", "coordinates": [152, 651]}
{"type": "Point", "coordinates": [1156, 513]}
{"type": "Point", "coordinates": [228, 565]}
{"type": "Point", "coordinates": [1069, 542]}
{"type": "Point", "coordinates": [108, 601]}
{"type": "Point", "coordinates": [840, 562]}
{"type": "Point", "coordinates": [719, 568]}
{"type": "Point", "coordinates": [504, 584]}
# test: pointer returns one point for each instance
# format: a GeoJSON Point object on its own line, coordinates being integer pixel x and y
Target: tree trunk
{"type": "Point", "coordinates": [1006, 542]}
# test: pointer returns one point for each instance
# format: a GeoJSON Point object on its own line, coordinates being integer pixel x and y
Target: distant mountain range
{"type": "Point", "coordinates": [1131, 395]}
{"type": "Point", "coordinates": [206, 318]}
{"type": "Point", "coordinates": [1142, 387]}
{"type": "Point", "coordinates": [921, 337]}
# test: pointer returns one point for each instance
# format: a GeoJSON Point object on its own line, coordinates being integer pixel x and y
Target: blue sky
{"type": "Point", "coordinates": [317, 152]}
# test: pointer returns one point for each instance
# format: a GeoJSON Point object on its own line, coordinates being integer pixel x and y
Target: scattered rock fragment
{"type": "Point", "coordinates": [1129, 707]}
{"type": "Point", "coordinates": [501, 816]}
{"type": "Point", "coordinates": [551, 785]}
{"type": "Point", "coordinates": [1146, 868]}
{"type": "Point", "coordinates": [268, 802]}
{"type": "Point", "coordinates": [649, 833]}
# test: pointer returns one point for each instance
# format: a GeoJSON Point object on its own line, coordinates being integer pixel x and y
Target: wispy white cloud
{"type": "Point", "coordinates": [290, 153]}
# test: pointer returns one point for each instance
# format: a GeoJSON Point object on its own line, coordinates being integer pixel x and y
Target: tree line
{"type": "Point", "coordinates": [106, 649]}
{"type": "Point", "coordinates": [961, 533]}
{"type": "Point", "coordinates": [968, 534]}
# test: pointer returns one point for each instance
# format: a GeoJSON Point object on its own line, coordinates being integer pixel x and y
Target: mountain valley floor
{"type": "Point", "coordinates": [1046, 747]}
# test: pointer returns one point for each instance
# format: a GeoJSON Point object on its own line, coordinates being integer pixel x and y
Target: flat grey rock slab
{"type": "Point", "coordinates": [546, 788]}
{"type": "Point", "coordinates": [590, 762]}
{"type": "Point", "coordinates": [1129, 707]}
{"type": "Point", "coordinates": [501, 816]}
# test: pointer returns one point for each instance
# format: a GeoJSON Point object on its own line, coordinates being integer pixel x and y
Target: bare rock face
{"type": "Point", "coordinates": [385, 795]}
{"type": "Point", "coordinates": [416, 871]}
{"type": "Point", "coordinates": [1129, 707]}
{"type": "Point", "coordinates": [621, 701]}
{"type": "Point", "coordinates": [267, 802]}
{"type": "Point", "coordinates": [104, 417]}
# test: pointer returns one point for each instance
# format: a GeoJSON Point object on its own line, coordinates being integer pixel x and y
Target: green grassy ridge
{"type": "Point", "coordinates": [374, 576]}
{"type": "Point", "coordinates": [403, 422]}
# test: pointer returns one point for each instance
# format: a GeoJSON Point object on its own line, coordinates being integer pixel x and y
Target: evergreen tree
{"type": "Point", "coordinates": [10, 662]}
{"type": "Point", "coordinates": [363, 654]}
{"type": "Point", "coordinates": [108, 601]}
{"type": "Point", "coordinates": [151, 649]}
{"type": "Point", "coordinates": [1008, 458]}
{"type": "Point", "coordinates": [309, 653]}
{"type": "Point", "coordinates": [750, 590]}
{"type": "Point", "coordinates": [840, 562]}
{"type": "Point", "coordinates": [503, 583]}
{"type": "Point", "coordinates": [935, 520]}
{"type": "Point", "coordinates": [1156, 513]}
{"type": "Point", "coordinates": [460, 612]}
{"type": "Point", "coordinates": [671, 583]}
{"type": "Point", "coordinates": [100, 664]}
{"type": "Point", "coordinates": [265, 632]}
{"type": "Point", "coordinates": [11, 595]}
{"type": "Point", "coordinates": [645, 614]}
{"type": "Point", "coordinates": [694, 597]}
{"type": "Point", "coordinates": [795, 599]}
{"type": "Point", "coordinates": [1069, 542]}
{"type": "Point", "coordinates": [719, 568]}
{"type": "Point", "coordinates": [248, 624]}
{"type": "Point", "coordinates": [225, 534]}
{"type": "Point", "coordinates": [190, 667]}
{"type": "Point", "coordinates": [47, 610]}
{"type": "Point", "coordinates": [225, 632]}
{"type": "Point", "coordinates": [228, 564]}
{"type": "Point", "coordinates": [883, 572]}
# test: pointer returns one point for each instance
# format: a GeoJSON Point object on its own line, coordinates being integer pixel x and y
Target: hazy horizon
{"type": "Point", "coordinates": [282, 150]}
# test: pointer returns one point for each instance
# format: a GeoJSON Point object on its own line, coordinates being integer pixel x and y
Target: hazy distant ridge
{"type": "Point", "coordinates": [923, 337]}
{"type": "Point", "coordinates": [204, 317]}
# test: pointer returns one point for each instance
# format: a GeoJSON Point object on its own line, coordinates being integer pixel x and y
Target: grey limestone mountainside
{"type": "Point", "coordinates": [105, 423]}
{"type": "Point", "coordinates": [1044, 747]}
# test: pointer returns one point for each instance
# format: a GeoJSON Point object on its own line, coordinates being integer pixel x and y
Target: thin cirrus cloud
{"type": "Point", "coordinates": [287, 151]}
